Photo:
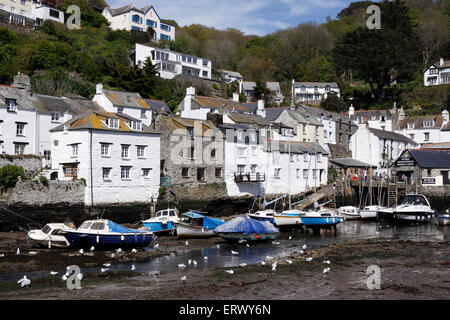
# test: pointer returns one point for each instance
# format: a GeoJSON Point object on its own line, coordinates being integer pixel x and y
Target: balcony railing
{"type": "Point", "coordinates": [249, 177]}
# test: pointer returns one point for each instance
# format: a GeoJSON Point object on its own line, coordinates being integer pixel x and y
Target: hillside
{"type": "Point", "coordinates": [65, 62]}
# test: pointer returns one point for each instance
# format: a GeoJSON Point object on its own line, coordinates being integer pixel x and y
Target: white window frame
{"type": "Point", "coordinates": [146, 173]}
{"type": "Point", "coordinates": [106, 177]}
{"type": "Point", "coordinates": [105, 147]}
{"type": "Point", "coordinates": [140, 151]}
{"type": "Point", "coordinates": [125, 173]}
{"type": "Point", "coordinates": [125, 152]}
{"type": "Point", "coordinates": [277, 173]}
{"type": "Point", "coordinates": [20, 129]}
{"type": "Point", "coordinates": [75, 149]}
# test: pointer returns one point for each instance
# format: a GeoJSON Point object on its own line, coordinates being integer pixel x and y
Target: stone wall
{"type": "Point", "coordinates": [34, 193]}
{"type": "Point", "coordinates": [32, 165]}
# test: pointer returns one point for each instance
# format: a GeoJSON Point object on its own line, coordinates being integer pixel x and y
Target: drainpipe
{"type": "Point", "coordinates": [92, 183]}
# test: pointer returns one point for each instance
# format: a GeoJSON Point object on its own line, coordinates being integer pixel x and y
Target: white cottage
{"type": "Point", "coordinates": [437, 74]}
{"type": "Point", "coordinates": [118, 156]}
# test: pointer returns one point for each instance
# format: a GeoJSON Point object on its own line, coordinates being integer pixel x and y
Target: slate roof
{"type": "Point", "coordinates": [367, 114]}
{"type": "Point", "coordinates": [231, 73]}
{"type": "Point", "coordinates": [21, 96]}
{"type": "Point", "coordinates": [174, 123]}
{"type": "Point", "coordinates": [93, 120]}
{"type": "Point", "coordinates": [158, 105]}
{"type": "Point", "coordinates": [431, 158]}
{"type": "Point", "coordinates": [318, 84]}
{"type": "Point", "coordinates": [418, 122]}
{"type": "Point", "coordinates": [327, 114]}
{"type": "Point", "coordinates": [219, 103]}
{"type": "Point", "coordinates": [126, 99]}
{"type": "Point", "coordinates": [272, 114]}
{"type": "Point", "coordinates": [302, 147]}
{"type": "Point", "coordinates": [250, 85]}
{"type": "Point", "coordinates": [249, 119]}
{"type": "Point", "coordinates": [391, 135]}
{"type": "Point", "coordinates": [350, 163]}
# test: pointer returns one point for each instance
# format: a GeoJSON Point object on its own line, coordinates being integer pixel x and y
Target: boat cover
{"type": "Point", "coordinates": [114, 227]}
{"type": "Point", "coordinates": [209, 223]}
{"type": "Point", "coordinates": [246, 225]}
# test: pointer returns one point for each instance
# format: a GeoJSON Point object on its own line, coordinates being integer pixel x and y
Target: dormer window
{"type": "Point", "coordinates": [136, 125]}
{"type": "Point", "coordinates": [55, 117]}
{"type": "Point", "coordinates": [303, 88]}
{"type": "Point", "coordinates": [374, 117]}
{"type": "Point", "coordinates": [410, 125]}
{"type": "Point", "coordinates": [316, 88]}
{"type": "Point", "coordinates": [428, 123]}
{"type": "Point", "coordinates": [327, 88]}
{"type": "Point", "coordinates": [113, 123]}
{"type": "Point", "coordinates": [10, 105]}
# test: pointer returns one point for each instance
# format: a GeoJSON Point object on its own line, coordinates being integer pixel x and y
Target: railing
{"type": "Point", "coordinates": [249, 177]}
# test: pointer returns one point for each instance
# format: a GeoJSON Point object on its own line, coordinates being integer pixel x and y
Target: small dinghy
{"type": "Point", "coordinates": [349, 212]}
{"type": "Point", "coordinates": [370, 212]}
{"type": "Point", "coordinates": [104, 233]}
{"type": "Point", "coordinates": [51, 235]}
{"type": "Point", "coordinates": [195, 225]}
{"type": "Point", "coordinates": [444, 219]}
{"type": "Point", "coordinates": [246, 228]}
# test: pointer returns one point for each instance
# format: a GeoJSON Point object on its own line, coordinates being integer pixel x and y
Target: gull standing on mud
{"type": "Point", "coordinates": [304, 247]}
{"type": "Point", "coordinates": [186, 243]}
{"type": "Point", "coordinates": [53, 273]}
{"type": "Point", "coordinates": [326, 270]}
{"type": "Point", "coordinates": [229, 271]}
{"type": "Point", "coordinates": [156, 246]}
{"type": "Point", "coordinates": [92, 249]}
{"type": "Point", "coordinates": [133, 267]}
{"type": "Point", "coordinates": [18, 251]}
{"type": "Point", "coordinates": [134, 251]}
{"type": "Point", "coordinates": [181, 266]}
{"type": "Point", "coordinates": [234, 252]}
{"type": "Point", "coordinates": [309, 259]}
{"type": "Point", "coordinates": [81, 251]}
{"type": "Point", "coordinates": [327, 262]}
{"type": "Point", "coordinates": [24, 282]}
{"type": "Point", "coordinates": [183, 279]}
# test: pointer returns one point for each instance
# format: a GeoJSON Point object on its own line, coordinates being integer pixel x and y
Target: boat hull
{"type": "Point", "coordinates": [160, 228]}
{"type": "Point", "coordinates": [413, 216]}
{"type": "Point", "coordinates": [444, 220]}
{"type": "Point", "coordinates": [232, 237]}
{"type": "Point", "coordinates": [321, 221]}
{"type": "Point", "coordinates": [287, 221]}
{"type": "Point", "coordinates": [87, 240]}
{"type": "Point", "coordinates": [185, 231]}
{"type": "Point", "coordinates": [347, 216]}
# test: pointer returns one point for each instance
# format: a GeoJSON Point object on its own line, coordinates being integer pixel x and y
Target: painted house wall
{"type": "Point", "coordinates": [137, 189]}
{"type": "Point", "coordinates": [435, 79]}
{"type": "Point", "coordinates": [8, 131]}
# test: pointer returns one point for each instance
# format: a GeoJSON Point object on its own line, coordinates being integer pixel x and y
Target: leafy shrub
{"type": "Point", "coordinates": [9, 175]}
{"type": "Point", "coordinates": [43, 180]}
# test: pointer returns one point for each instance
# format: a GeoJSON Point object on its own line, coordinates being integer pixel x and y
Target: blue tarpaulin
{"type": "Point", "coordinates": [114, 227]}
{"type": "Point", "coordinates": [246, 225]}
{"type": "Point", "coordinates": [209, 223]}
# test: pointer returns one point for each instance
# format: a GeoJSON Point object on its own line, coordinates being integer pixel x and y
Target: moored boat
{"type": "Point", "coordinates": [321, 219]}
{"type": "Point", "coordinates": [349, 212]}
{"type": "Point", "coordinates": [163, 222]}
{"type": "Point", "coordinates": [195, 225]}
{"type": "Point", "coordinates": [444, 219]}
{"type": "Point", "coordinates": [385, 214]}
{"type": "Point", "coordinates": [50, 235]}
{"type": "Point", "coordinates": [263, 215]}
{"type": "Point", "coordinates": [103, 233]}
{"type": "Point", "coordinates": [370, 212]}
{"type": "Point", "coordinates": [248, 229]}
{"type": "Point", "coordinates": [414, 208]}
{"type": "Point", "coordinates": [288, 218]}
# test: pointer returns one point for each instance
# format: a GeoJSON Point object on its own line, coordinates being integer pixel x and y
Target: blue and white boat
{"type": "Point", "coordinates": [195, 225]}
{"type": "Point", "coordinates": [246, 228]}
{"type": "Point", "coordinates": [289, 218]}
{"type": "Point", "coordinates": [263, 215]}
{"type": "Point", "coordinates": [321, 219]}
{"type": "Point", "coordinates": [162, 222]}
{"type": "Point", "coordinates": [104, 233]}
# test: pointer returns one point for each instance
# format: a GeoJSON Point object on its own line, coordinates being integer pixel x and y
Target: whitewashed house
{"type": "Point", "coordinates": [310, 92]}
{"type": "Point", "coordinates": [232, 76]}
{"type": "Point", "coordinates": [47, 10]}
{"type": "Point", "coordinates": [118, 156]}
{"type": "Point", "coordinates": [29, 13]}
{"type": "Point", "coordinates": [129, 103]}
{"type": "Point", "coordinates": [131, 18]}
{"type": "Point", "coordinates": [170, 63]}
{"type": "Point", "coordinates": [249, 86]}
{"type": "Point", "coordinates": [437, 74]}
{"type": "Point", "coordinates": [377, 119]}
{"type": "Point", "coordinates": [378, 147]}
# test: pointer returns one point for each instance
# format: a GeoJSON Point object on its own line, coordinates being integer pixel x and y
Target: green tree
{"type": "Point", "coordinates": [9, 175]}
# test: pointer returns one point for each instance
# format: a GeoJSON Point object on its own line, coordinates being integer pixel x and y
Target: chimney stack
{"type": "Point", "coordinates": [99, 88]}
{"type": "Point", "coordinates": [351, 111]}
{"type": "Point", "coordinates": [22, 81]}
{"type": "Point", "coordinates": [401, 114]}
{"type": "Point", "coordinates": [190, 93]}
{"type": "Point", "coordinates": [261, 111]}
{"type": "Point", "coordinates": [441, 61]}
{"type": "Point", "coordinates": [445, 115]}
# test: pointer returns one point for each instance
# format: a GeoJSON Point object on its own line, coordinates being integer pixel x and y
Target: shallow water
{"type": "Point", "coordinates": [220, 256]}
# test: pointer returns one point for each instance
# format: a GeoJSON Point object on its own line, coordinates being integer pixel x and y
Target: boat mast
{"type": "Point", "coordinates": [289, 173]}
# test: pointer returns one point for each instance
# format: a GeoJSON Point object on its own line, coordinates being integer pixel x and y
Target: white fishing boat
{"type": "Point", "coordinates": [263, 215]}
{"type": "Point", "coordinates": [195, 225]}
{"type": "Point", "coordinates": [414, 208]}
{"type": "Point", "coordinates": [50, 235]}
{"type": "Point", "coordinates": [385, 214]}
{"type": "Point", "coordinates": [370, 212]}
{"type": "Point", "coordinates": [349, 212]}
{"type": "Point", "coordinates": [162, 222]}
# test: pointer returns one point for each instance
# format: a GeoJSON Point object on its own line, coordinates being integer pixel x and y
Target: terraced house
{"type": "Point", "coordinates": [117, 155]}
{"type": "Point", "coordinates": [131, 18]}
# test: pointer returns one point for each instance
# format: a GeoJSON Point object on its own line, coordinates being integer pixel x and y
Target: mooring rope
{"type": "Point", "coordinates": [16, 214]}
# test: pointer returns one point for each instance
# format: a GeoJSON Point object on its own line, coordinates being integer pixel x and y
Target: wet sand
{"type": "Point", "coordinates": [409, 270]}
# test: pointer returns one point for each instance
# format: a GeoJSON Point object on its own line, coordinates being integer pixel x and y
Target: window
{"type": "Point", "coordinates": [411, 136]}
{"type": "Point", "coordinates": [319, 157]}
{"type": "Point", "coordinates": [104, 149]}
{"type": "Point", "coordinates": [10, 105]}
{"type": "Point", "coordinates": [47, 155]}
{"type": "Point", "coordinates": [241, 152]}
{"type": "Point", "coordinates": [314, 173]}
{"type": "Point", "coordinates": [428, 123]}
{"type": "Point", "coordinates": [192, 153]}
{"type": "Point", "coordinates": [305, 157]}
{"type": "Point", "coordinates": [298, 173]}
{"type": "Point", "coordinates": [113, 123]}
{"type": "Point", "coordinates": [120, 110]}
{"type": "Point", "coordinates": [429, 172]}
{"type": "Point", "coordinates": [152, 23]}
{"type": "Point", "coordinates": [277, 173]}
{"type": "Point", "coordinates": [327, 88]}
{"type": "Point", "coordinates": [106, 173]}
{"type": "Point", "coordinates": [303, 88]}
{"type": "Point", "coordinates": [316, 88]}
{"type": "Point", "coordinates": [341, 138]}
{"type": "Point", "coordinates": [54, 13]}
{"type": "Point", "coordinates": [23, 2]}
{"type": "Point", "coordinates": [141, 151]}
{"type": "Point", "coordinates": [125, 173]}
{"type": "Point", "coordinates": [205, 63]}
{"type": "Point", "coordinates": [20, 129]}
{"type": "Point", "coordinates": [205, 73]}
{"type": "Point", "coordinates": [19, 148]}
{"type": "Point", "coordinates": [136, 19]}
{"type": "Point", "coordinates": [241, 169]}
{"type": "Point", "coordinates": [74, 149]}
{"type": "Point", "coordinates": [434, 71]}
{"type": "Point", "coordinates": [125, 151]}
{"type": "Point", "coordinates": [218, 172]}
{"type": "Point", "coordinates": [213, 153]}
{"type": "Point", "coordinates": [185, 172]}
{"type": "Point", "coordinates": [427, 136]}
{"type": "Point", "coordinates": [164, 37]}
{"type": "Point", "coordinates": [165, 27]}
{"type": "Point", "coordinates": [190, 131]}
{"type": "Point", "coordinates": [98, 226]}
{"type": "Point", "coordinates": [304, 129]}
{"type": "Point", "coordinates": [146, 172]}
{"type": "Point", "coordinates": [410, 125]}
{"type": "Point", "coordinates": [55, 117]}
{"type": "Point", "coordinates": [201, 174]}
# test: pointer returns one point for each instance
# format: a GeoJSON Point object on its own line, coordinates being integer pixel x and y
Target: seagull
{"type": "Point", "coordinates": [104, 269]}
{"type": "Point", "coordinates": [156, 246]}
{"type": "Point", "coordinates": [189, 261]}
{"type": "Point", "coordinates": [327, 262]}
{"type": "Point", "coordinates": [269, 258]}
{"type": "Point", "coordinates": [186, 243]}
{"type": "Point", "coordinates": [275, 242]}
{"type": "Point", "coordinates": [242, 241]}
{"type": "Point", "coordinates": [309, 259]}
{"type": "Point", "coordinates": [80, 276]}
{"type": "Point", "coordinates": [92, 249]}
{"type": "Point", "coordinates": [274, 267]}
{"type": "Point", "coordinates": [53, 273]}
{"type": "Point", "coordinates": [24, 282]}
{"type": "Point", "coordinates": [2, 255]}
{"type": "Point", "coordinates": [134, 251]}
{"type": "Point", "coordinates": [119, 250]}
{"type": "Point", "coordinates": [18, 251]}
{"type": "Point", "coordinates": [289, 261]}
{"type": "Point", "coordinates": [64, 278]}
{"type": "Point", "coordinates": [248, 246]}
{"type": "Point", "coordinates": [263, 263]}
{"type": "Point", "coordinates": [183, 279]}
{"type": "Point", "coordinates": [205, 258]}
{"type": "Point", "coordinates": [304, 247]}
{"type": "Point", "coordinates": [195, 263]}
{"type": "Point", "coordinates": [113, 255]}
{"type": "Point", "coordinates": [218, 246]}
{"type": "Point", "coordinates": [107, 265]}
{"type": "Point", "coordinates": [32, 253]}
{"type": "Point", "coordinates": [290, 237]}
{"type": "Point", "coordinates": [243, 265]}
{"type": "Point", "coordinates": [229, 271]}
{"type": "Point", "coordinates": [81, 251]}
{"type": "Point", "coordinates": [301, 251]}
{"type": "Point", "coordinates": [234, 252]}
{"type": "Point", "coordinates": [133, 267]}
{"type": "Point", "coordinates": [181, 266]}
{"type": "Point", "coordinates": [326, 270]}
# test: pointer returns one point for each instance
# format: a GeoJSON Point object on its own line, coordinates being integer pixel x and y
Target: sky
{"type": "Point", "coordinates": [253, 17]}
